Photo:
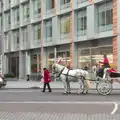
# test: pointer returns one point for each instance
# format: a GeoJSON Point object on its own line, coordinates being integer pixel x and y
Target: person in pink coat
{"type": "Point", "coordinates": [46, 80]}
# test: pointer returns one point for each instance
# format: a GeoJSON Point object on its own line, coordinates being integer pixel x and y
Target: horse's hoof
{"type": "Point", "coordinates": [86, 92]}
{"type": "Point", "coordinates": [78, 93]}
{"type": "Point", "coordinates": [65, 93]}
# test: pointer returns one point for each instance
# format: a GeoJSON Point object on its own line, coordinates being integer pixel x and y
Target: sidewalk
{"type": "Point", "coordinates": [23, 84]}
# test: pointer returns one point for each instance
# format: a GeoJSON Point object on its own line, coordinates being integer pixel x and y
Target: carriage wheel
{"type": "Point", "coordinates": [104, 87]}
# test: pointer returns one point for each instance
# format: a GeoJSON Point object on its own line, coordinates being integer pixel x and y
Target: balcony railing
{"type": "Point", "coordinates": [67, 5]}
{"type": "Point", "coordinates": [7, 6]}
{"type": "Point", "coordinates": [65, 36]}
{"type": "Point", "coordinates": [25, 45]}
{"type": "Point", "coordinates": [15, 47]}
{"type": "Point", "coordinates": [81, 32]}
{"type": "Point", "coordinates": [50, 11]}
{"type": "Point", "coordinates": [36, 43]}
{"type": "Point", "coordinates": [7, 27]}
{"type": "Point", "coordinates": [16, 2]}
{"type": "Point", "coordinates": [81, 1]}
{"type": "Point", "coordinates": [15, 25]}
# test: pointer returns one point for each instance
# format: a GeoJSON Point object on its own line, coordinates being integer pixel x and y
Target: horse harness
{"type": "Point", "coordinates": [67, 75]}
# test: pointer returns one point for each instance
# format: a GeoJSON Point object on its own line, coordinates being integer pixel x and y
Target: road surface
{"type": "Point", "coordinates": [35, 105]}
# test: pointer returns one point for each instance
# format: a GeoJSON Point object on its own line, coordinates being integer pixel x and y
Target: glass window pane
{"type": "Point", "coordinates": [84, 59]}
{"type": "Point", "coordinates": [33, 59]}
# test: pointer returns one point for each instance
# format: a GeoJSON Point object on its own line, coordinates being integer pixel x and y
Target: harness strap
{"type": "Point", "coordinates": [60, 73]}
{"type": "Point", "coordinates": [67, 75]}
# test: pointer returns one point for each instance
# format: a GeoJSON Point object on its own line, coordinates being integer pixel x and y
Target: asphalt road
{"type": "Point", "coordinates": [35, 105]}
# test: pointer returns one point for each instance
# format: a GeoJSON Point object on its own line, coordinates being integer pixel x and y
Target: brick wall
{"type": "Point", "coordinates": [115, 32]}
{"type": "Point", "coordinates": [71, 38]}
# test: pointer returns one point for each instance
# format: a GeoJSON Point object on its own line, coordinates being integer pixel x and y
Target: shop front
{"type": "Point", "coordinates": [63, 55]}
{"type": "Point", "coordinates": [89, 53]}
{"type": "Point", "coordinates": [89, 57]}
{"type": "Point", "coordinates": [35, 63]}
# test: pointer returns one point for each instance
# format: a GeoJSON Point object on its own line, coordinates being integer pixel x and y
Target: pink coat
{"type": "Point", "coordinates": [46, 76]}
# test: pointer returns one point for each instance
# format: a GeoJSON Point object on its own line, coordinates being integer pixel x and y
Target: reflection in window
{"type": "Point", "coordinates": [84, 59]}
{"type": "Point", "coordinates": [36, 8]}
{"type": "Point", "coordinates": [37, 31]}
{"type": "Point", "coordinates": [105, 16]}
{"type": "Point", "coordinates": [81, 23]}
{"type": "Point", "coordinates": [33, 59]}
{"type": "Point", "coordinates": [26, 12]}
{"type": "Point", "coordinates": [65, 26]}
{"type": "Point", "coordinates": [64, 4]}
{"type": "Point", "coordinates": [48, 28]}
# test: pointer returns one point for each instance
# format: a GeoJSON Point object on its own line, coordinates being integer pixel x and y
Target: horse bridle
{"type": "Point", "coordinates": [58, 72]}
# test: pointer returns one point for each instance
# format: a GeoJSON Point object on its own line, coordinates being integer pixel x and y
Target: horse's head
{"type": "Point", "coordinates": [56, 68]}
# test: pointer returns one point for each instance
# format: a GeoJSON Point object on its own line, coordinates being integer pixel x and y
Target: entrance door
{"type": "Point", "coordinates": [14, 63]}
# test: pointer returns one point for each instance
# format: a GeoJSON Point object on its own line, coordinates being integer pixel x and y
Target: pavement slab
{"type": "Point", "coordinates": [69, 107]}
{"type": "Point", "coordinates": [55, 116]}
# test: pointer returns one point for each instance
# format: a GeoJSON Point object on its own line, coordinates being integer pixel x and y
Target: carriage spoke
{"type": "Point", "coordinates": [104, 87]}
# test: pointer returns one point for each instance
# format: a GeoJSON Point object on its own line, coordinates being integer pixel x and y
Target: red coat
{"type": "Point", "coordinates": [46, 76]}
{"type": "Point", "coordinates": [105, 61]}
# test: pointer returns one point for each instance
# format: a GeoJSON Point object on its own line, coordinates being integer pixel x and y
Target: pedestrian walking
{"type": "Point", "coordinates": [47, 80]}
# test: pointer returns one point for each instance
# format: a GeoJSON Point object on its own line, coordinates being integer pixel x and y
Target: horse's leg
{"type": "Point", "coordinates": [68, 88]}
{"type": "Point", "coordinates": [65, 86]}
{"type": "Point", "coordinates": [85, 86]}
{"type": "Point", "coordinates": [81, 85]}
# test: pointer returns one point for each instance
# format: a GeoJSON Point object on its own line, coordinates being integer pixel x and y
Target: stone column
{"type": "Point", "coordinates": [21, 65]}
{"type": "Point", "coordinates": [6, 64]}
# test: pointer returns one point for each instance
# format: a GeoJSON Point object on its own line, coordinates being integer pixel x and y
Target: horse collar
{"type": "Point", "coordinates": [60, 72]}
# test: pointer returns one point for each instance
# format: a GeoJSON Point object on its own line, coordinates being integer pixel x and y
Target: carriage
{"type": "Point", "coordinates": [104, 85]}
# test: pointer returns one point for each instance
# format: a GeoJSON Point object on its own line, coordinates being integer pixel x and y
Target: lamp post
{"type": "Point", "coordinates": [2, 41]}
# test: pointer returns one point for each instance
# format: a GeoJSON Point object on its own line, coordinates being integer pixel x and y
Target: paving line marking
{"type": "Point", "coordinates": [19, 91]}
{"type": "Point", "coordinates": [62, 102]}
{"type": "Point", "coordinates": [115, 108]}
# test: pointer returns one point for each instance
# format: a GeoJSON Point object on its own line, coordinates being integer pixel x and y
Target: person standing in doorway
{"type": "Point", "coordinates": [46, 80]}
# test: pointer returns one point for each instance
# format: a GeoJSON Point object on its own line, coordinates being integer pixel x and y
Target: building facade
{"type": "Point", "coordinates": [38, 32]}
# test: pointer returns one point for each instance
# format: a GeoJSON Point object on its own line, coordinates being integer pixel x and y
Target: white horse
{"type": "Point", "coordinates": [67, 76]}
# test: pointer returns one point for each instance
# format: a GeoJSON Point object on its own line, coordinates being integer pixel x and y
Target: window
{"type": "Point", "coordinates": [81, 23]}
{"type": "Point", "coordinates": [7, 20]}
{"type": "Point", "coordinates": [16, 37]}
{"type": "Point", "coordinates": [26, 12]}
{"type": "Point", "coordinates": [65, 4]}
{"type": "Point", "coordinates": [48, 28]}
{"type": "Point", "coordinates": [7, 40]}
{"type": "Point", "coordinates": [0, 23]}
{"type": "Point", "coordinates": [104, 16]}
{"type": "Point", "coordinates": [16, 16]}
{"type": "Point", "coordinates": [65, 26]}
{"type": "Point", "coordinates": [37, 31]}
{"type": "Point", "coordinates": [36, 8]}
{"type": "Point", "coordinates": [49, 4]}
{"type": "Point", "coordinates": [7, 4]}
{"type": "Point", "coordinates": [24, 35]}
